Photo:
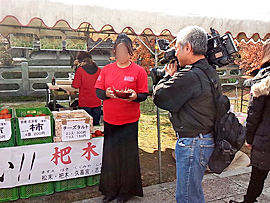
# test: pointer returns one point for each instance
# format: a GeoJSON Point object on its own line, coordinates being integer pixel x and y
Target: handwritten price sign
{"type": "Point", "coordinates": [35, 127]}
{"type": "Point", "coordinates": [75, 130]}
{"type": "Point", "coordinates": [5, 129]}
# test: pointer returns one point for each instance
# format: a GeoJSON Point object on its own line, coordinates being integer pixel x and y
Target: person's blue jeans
{"type": "Point", "coordinates": [192, 156]}
{"type": "Point", "coordinates": [94, 112]}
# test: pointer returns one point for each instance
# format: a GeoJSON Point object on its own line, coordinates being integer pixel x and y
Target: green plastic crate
{"type": "Point", "coordinates": [92, 180]}
{"type": "Point", "coordinates": [34, 111]}
{"type": "Point", "coordinates": [11, 141]}
{"type": "Point", "coordinates": [36, 190]}
{"type": "Point", "coordinates": [9, 194]}
{"type": "Point", "coordinates": [70, 184]}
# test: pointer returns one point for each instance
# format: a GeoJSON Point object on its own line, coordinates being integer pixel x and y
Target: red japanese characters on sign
{"type": "Point", "coordinates": [62, 154]}
{"type": "Point", "coordinates": [30, 164]}
{"type": "Point", "coordinates": [88, 150]}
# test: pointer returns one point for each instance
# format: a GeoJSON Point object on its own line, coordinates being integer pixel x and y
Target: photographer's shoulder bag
{"type": "Point", "coordinates": [229, 134]}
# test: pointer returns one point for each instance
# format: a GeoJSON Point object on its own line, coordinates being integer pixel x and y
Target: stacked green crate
{"type": "Point", "coordinates": [35, 190]}
{"type": "Point", "coordinates": [39, 189]}
{"type": "Point", "coordinates": [9, 194]}
{"type": "Point", "coordinates": [92, 180]}
{"type": "Point", "coordinates": [70, 184]}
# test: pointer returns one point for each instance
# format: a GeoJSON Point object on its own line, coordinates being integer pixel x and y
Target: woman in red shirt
{"type": "Point", "coordinates": [120, 173]}
{"type": "Point", "coordinates": [85, 78]}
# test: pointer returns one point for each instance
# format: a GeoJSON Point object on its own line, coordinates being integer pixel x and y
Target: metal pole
{"type": "Point", "coordinates": [157, 109]}
{"type": "Point", "coordinates": [158, 123]}
{"type": "Point", "coordinates": [159, 146]}
{"type": "Point", "coordinates": [173, 41]}
{"type": "Point", "coordinates": [99, 43]}
{"type": "Point", "coordinates": [148, 49]}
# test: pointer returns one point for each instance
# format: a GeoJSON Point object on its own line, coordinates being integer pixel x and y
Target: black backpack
{"type": "Point", "coordinates": [229, 134]}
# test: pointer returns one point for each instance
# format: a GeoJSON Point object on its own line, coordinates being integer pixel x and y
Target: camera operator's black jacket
{"type": "Point", "coordinates": [187, 96]}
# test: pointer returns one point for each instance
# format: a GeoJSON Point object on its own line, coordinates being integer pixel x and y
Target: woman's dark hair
{"type": "Point", "coordinates": [123, 39]}
{"type": "Point", "coordinates": [83, 55]}
{"type": "Point", "coordinates": [84, 58]}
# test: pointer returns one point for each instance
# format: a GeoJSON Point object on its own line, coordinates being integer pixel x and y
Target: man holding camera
{"type": "Point", "coordinates": [186, 94]}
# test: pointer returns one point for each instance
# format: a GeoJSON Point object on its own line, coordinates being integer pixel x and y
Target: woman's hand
{"type": "Point", "coordinates": [133, 95]}
{"type": "Point", "coordinates": [109, 93]}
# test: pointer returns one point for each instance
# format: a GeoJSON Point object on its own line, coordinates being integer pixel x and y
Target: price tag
{"type": "Point", "coordinates": [33, 127]}
{"type": "Point", "coordinates": [75, 130]}
{"type": "Point", "coordinates": [5, 129]}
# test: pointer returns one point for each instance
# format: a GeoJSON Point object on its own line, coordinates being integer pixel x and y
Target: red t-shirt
{"type": "Point", "coordinates": [118, 111]}
{"type": "Point", "coordinates": [86, 84]}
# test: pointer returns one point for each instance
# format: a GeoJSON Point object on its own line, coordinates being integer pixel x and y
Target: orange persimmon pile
{"type": "Point", "coordinates": [4, 113]}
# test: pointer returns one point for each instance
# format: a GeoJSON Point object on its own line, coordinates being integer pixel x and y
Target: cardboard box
{"type": "Point", "coordinates": [71, 125]}
{"type": "Point", "coordinates": [63, 82]}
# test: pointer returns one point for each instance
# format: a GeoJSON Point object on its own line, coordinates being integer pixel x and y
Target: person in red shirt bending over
{"type": "Point", "coordinates": [120, 172]}
{"type": "Point", "coordinates": [85, 78]}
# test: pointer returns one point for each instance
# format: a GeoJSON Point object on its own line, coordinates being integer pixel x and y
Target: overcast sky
{"type": "Point", "coordinates": [241, 9]}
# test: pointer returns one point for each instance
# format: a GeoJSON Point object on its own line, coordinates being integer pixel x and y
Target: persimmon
{"type": "Point", "coordinates": [4, 111]}
{"type": "Point", "coordinates": [7, 116]}
{"type": "Point", "coordinates": [29, 115]}
{"type": "Point", "coordinates": [40, 115]}
{"type": "Point", "coordinates": [98, 133]}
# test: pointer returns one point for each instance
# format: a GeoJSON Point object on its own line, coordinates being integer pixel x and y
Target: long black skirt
{"type": "Point", "coordinates": [120, 172]}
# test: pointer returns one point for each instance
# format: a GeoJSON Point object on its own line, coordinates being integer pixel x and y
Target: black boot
{"type": "Point", "coordinates": [123, 198]}
{"type": "Point", "coordinates": [107, 199]}
{"type": "Point", "coordinates": [245, 201]}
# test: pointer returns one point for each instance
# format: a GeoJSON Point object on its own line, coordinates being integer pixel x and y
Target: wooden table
{"type": "Point", "coordinates": [55, 92]}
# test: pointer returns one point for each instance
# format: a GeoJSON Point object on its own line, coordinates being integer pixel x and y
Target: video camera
{"type": "Point", "coordinates": [219, 52]}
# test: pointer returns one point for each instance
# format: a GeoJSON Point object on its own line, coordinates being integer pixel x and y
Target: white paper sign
{"type": "Point", "coordinates": [31, 164]}
{"type": "Point", "coordinates": [75, 130]}
{"type": "Point", "coordinates": [33, 127]}
{"type": "Point", "coordinates": [5, 129]}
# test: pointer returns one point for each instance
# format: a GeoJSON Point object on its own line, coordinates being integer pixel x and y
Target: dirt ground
{"type": "Point", "coordinates": [148, 149]}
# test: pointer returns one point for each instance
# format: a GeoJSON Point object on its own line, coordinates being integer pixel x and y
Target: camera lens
{"type": "Point", "coordinates": [157, 74]}
{"type": "Point", "coordinates": [169, 56]}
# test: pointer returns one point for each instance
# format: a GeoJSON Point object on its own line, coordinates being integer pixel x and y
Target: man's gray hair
{"type": "Point", "coordinates": [196, 36]}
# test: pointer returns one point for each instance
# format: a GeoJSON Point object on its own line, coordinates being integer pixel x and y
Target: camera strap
{"type": "Point", "coordinates": [214, 90]}
{"type": "Point", "coordinates": [213, 81]}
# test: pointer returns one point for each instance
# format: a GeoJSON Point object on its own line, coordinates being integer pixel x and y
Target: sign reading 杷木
{"type": "Point", "coordinates": [31, 164]}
